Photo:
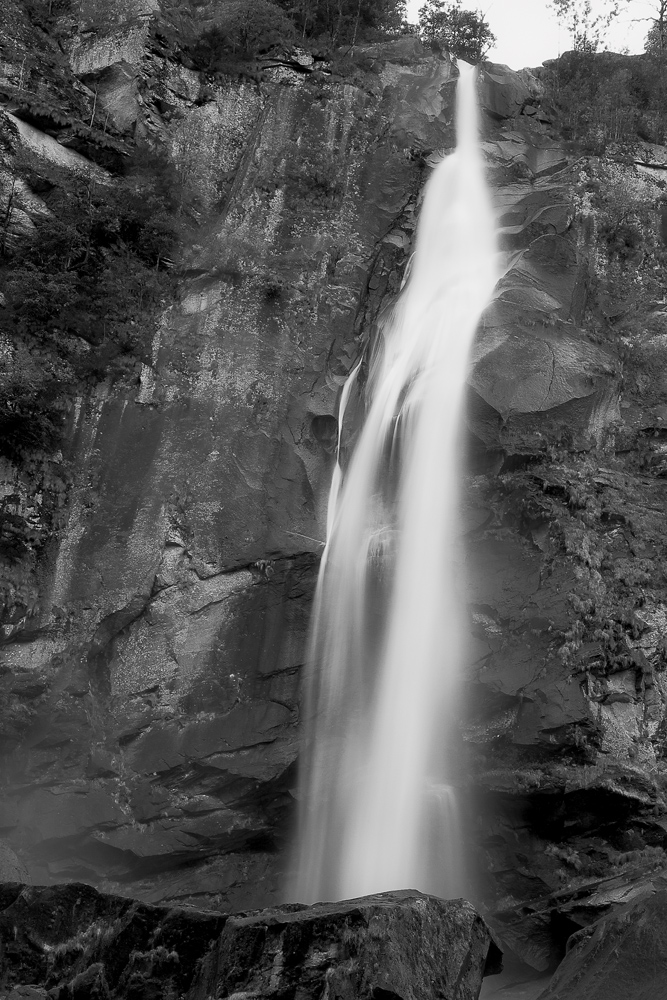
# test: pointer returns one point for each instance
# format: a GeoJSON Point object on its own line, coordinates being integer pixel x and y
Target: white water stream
{"type": "Point", "coordinates": [386, 645]}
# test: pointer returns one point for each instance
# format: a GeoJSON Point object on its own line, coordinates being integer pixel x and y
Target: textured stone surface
{"type": "Point", "coordinates": [151, 660]}
{"type": "Point", "coordinates": [152, 690]}
{"type": "Point", "coordinates": [77, 942]}
{"type": "Point", "coordinates": [539, 931]}
{"type": "Point", "coordinates": [618, 957]}
{"type": "Point", "coordinates": [11, 868]}
{"type": "Point", "coordinates": [401, 944]}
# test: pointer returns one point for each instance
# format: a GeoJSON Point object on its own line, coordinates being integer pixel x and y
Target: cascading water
{"type": "Point", "coordinates": [386, 643]}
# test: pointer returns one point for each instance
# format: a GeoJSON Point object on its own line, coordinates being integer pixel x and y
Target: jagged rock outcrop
{"type": "Point", "coordinates": [75, 941]}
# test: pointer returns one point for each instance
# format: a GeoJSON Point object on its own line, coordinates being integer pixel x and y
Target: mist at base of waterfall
{"type": "Point", "coordinates": [378, 810]}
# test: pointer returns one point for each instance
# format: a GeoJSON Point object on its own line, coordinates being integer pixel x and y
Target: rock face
{"type": "Point", "coordinates": [152, 653]}
{"type": "Point", "coordinates": [78, 942]}
{"type": "Point", "coordinates": [11, 868]}
{"type": "Point", "coordinates": [620, 956]}
{"type": "Point", "coordinates": [566, 737]}
{"type": "Point", "coordinates": [152, 672]}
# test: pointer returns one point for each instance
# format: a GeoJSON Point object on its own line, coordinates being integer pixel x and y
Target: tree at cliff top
{"type": "Point", "coordinates": [345, 21]}
{"type": "Point", "coordinates": [464, 33]}
{"type": "Point", "coordinates": [656, 39]}
{"type": "Point", "coordinates": [219, 37]}
{"type": "Point", "coordinates": [587, 21]}
{"type": "Point", "coordinates": [602, 98]}
{"type": "Point", "coordinates": [218, 33]}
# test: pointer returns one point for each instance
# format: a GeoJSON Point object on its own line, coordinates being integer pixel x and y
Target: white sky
{"type": "Point", "coordinates": [528, 33]}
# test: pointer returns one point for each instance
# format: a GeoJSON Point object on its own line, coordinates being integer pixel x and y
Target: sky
{"type": "Point", "coordinates": [528, 33]}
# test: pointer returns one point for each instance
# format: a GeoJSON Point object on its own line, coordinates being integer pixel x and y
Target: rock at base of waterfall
{"type": "Point", "coordinates": [620, 957]}
{"type": "Point", "coordinates": [76, 942]}
{"type": "Point", "coordinates": [392, 946]}
{"type": "Point", "coordinates": [12, 868]}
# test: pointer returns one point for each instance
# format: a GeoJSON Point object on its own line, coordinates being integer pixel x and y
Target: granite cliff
{"type": "Point", "coordinates": [157, 607]}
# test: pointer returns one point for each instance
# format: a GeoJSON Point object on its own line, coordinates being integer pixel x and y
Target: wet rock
{"type": "Point", "coordinates": [81, 943]}
{"type": "Point", "coordinates": [619, 956]}
{"type": "Point", "coordinates": [541, 929]}
{"type": "Point", "coordinates": [11, 867]}
{"type": "Point", "coordinates": [400, 944]}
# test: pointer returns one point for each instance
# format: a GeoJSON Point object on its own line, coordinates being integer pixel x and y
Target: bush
{"type": "Point", "coordinates": [221, 35]}
{"type": "Point", "coordinates": [242, 28]}
{"type": "Point", "coordinates": [604, 97]}
{"type": "Point", "coordinates": [83, 292]}
{"type": "Point", "coordinates": [92, 276]}
{"type": "Point", "coordinates": [31, 419]}
{"type": "Point", "coordinates": [464, 33]}
{"type": "Point", "coordinates": [344, 22]}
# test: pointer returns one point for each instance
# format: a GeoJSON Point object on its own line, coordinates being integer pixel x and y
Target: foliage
{"type": "Point", "coordinates": [344, 22]}
{"type": "Point", "coordinates": [243, 28]}
{"type": "Point", "coordinates": [82, 292]}
{"type": "Point", "coordinates": [218, 35]}
{"type": "Point", "coordinates": [313, 174]}
{"type": "Point", "coordinates": [31, 418]}
{"type": "Point", "coordinates": [464, 33]}
{"type": "Point", "coordinates": [586, 22]}
{"type": "Point", "coordinates": [656, 39]}
{"type": "Point", "coordinates": [603, 98]}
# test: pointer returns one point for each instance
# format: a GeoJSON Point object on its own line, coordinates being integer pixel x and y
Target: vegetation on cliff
{"type": "Point", "coordinates": [462, 32]}
{"type": "Point", "coordinates": [605, 97]}
{"type": "Point", "coordinates": [225, 37]}
{"type": "Point", "coordinates": [81, 290]}
{"type": "Point", "coordinates": [86, 248]}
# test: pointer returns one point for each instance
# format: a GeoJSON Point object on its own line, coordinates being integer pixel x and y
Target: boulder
{"type": "Point", "coordinates": [76, 941]}
{"type": "Point", "coordinates": [621, 957]}
{"type": "Point", "coordinates": [389, 946]}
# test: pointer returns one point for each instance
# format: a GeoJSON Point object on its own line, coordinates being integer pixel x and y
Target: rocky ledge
{"type": "Point", "coordinates": [70, 941]}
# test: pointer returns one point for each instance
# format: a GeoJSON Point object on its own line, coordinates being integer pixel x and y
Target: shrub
{"type": "Point", "coordinates": [604, 97]}
{"type": "Point", "coordinates": [464, 33]}
{"type": "Point", "coordinates": [83, 291]}
{"type": "Point", "coordinates": [344, 22]}
{"type": "Point", "coordinates": [90, 276]}
{"type": "Point", "coordinates": [242, 28]}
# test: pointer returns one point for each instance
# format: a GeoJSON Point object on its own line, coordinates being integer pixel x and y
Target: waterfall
{"type": "Point", "coordinates": [377, 811]}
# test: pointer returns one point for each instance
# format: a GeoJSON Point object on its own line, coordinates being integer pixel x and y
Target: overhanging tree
{"type": "Point", "coordinates": [464, 33]}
